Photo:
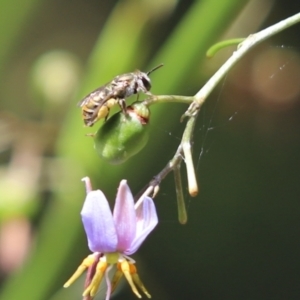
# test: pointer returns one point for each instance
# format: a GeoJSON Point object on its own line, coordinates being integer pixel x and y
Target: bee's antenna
{"type": "Point", "coordinates": [157, 67]}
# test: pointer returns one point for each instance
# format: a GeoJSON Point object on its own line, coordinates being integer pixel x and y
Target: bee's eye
{"type": "Point", "coordinates": [147, 83]}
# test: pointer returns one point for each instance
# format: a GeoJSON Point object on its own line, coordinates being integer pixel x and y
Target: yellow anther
{"type": "Point", "coordinates": [125, 267]}
{"type": "Point", "coordinates": [87, 262]}
{"type": "Point", "coordinates": [132, 268]}
{"type": "Point", "coordinates": [94, 285]}
{"type": "Point", "coordinates": [137, 280]}
{"type": "Point", "coordinates": [139, 283]}
{"type": "Point", "coordinates": [98, 267]}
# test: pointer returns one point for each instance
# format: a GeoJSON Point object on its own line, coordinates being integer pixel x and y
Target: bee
{"type": "Point", "coordinates": [98, 103]}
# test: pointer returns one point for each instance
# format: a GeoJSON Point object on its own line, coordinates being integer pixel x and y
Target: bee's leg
{"type": "Point", "coordinates": [103, 112]}
{"type": "Point", "coordinates": [107, 114]}
{"type": "Point", "coordinates": [98, 113]}
{"type": "Point", "coordinates": [122, 104]}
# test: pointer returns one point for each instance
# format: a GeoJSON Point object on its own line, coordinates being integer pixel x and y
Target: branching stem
{"type": "Point", "coordinates": [197, 101]}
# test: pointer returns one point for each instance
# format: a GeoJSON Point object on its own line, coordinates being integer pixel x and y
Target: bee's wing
{"type": "Point", "coordinates": [97, 95]}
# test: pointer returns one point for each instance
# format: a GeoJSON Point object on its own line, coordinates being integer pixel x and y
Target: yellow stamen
{"type": "Point", "coordinates": [87, 262]}
{"type": "Point", "coordinates": [139, 283]}
{"type": "Point", "coordinates": [94, 285]}
{"type": "Point", "coordinates": [125, 267]}
{"type": "Point", "coordinates": [137, 280]}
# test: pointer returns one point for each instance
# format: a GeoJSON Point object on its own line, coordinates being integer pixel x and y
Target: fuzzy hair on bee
{"type": "Point", "coordinates": [98, 103]}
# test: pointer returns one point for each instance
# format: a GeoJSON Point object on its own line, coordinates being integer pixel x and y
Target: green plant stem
{"type": "Point", "coordinates": [186, 143]}
{"type": "Point", "coordinates": [182, 214]}
{"type": "Point", "coordinates": [192, 112]}
{"type": "Point", "coordinates": [168, 99]}
{"type": "Point", "coordinates": [244, 47]}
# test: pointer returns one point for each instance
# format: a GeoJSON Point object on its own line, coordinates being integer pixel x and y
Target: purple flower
{"type": "Point", "coordinates": [113, 236]}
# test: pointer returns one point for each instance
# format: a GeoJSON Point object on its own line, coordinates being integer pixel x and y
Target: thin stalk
{"type": "Point", "coordinates": [182, 214]}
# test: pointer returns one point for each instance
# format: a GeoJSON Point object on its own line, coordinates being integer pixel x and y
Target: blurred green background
{"type": "Point", "coordinates": [241, 239]}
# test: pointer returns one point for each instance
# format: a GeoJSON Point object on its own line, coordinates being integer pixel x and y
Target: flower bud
{"type": "Point", "coordinates": [123, 135]}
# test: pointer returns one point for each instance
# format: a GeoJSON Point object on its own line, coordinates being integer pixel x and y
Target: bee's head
{"type": "Point", "coordinates": [144, 78]}
{"type": "Point", "coordinates": [146, 81]}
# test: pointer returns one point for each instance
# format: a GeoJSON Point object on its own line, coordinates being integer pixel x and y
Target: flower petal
{"type": "Point", "coordinates": [147, 219]}
{"type": "Point", "coordinates": [124, 217]}
{"type": "Point", "coordinates": [98, 223]}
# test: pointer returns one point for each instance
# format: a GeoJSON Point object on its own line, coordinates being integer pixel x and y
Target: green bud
{"type": "Point", "coordinates": [123, 135]}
